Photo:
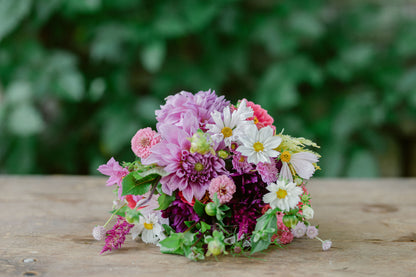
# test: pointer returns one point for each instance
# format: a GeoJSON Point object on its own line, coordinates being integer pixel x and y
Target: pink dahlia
{"type": "Point", "coordinates": [190, 173]}
{"type": "Point", "coordinates": [261, 117]}
{"type": "Point", "coordinates": [268, 171]}
{"type": "Point", "coordinates": [116, 173]}
{"type": "Point", "coordinates": [143, 140]}
{"type": "Point", "coordinates": [184, 105]}
{"type": "Point", "coordinates": [224, 187]}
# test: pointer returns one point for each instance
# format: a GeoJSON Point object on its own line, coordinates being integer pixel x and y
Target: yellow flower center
{"type": "Point", "coordinates": [258, 146]}
{"type": "Point", "coordinates": [285, 156]}
{"type": "Point", "coordinates": [199, 167]}
{"type": "Point", "coordinates": [255, 120]}
{"type": "Point", "coordinates": [281, 193]}
{"type": "Point", "coordinates": [227, 132]}
{"type": "Point", "coordinates": [148, 226]}
{"type": "Point", "coordinates": [242, 159]}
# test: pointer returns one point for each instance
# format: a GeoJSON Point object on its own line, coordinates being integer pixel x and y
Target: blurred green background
{"type": "Point", "coordinates": [79, 78]}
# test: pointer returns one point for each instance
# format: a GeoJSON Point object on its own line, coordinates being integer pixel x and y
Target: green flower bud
{"type": "Point", "coordinates": [290, 220]}
{"type": "Point", "coordinates": [223, 154]}
{"type": "Point", "coordinates": [210, 209]}
{"type": "Point", "coordinates": [215, 247]}
{"type": "Point", "coordinates": [200, 143]}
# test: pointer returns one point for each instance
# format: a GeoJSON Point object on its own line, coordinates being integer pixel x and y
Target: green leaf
{"type": "Point", "coordinates": [25, 120]}
{"type": "Point", "coordinates": [204, 227]}
{"type": "Point", "coordinates": [164, 201]}
{"type": "Point", "coordinates": [152, 55]}
{"type": "Point", "coordinates": [199, 208]}
{"type": "Point", "coordinates": [11, 14]}
{"type": "Point", "coordinates": [140, 186]}
{"type": "Point", "coordinates": [173, 242]}
{"type": "Point", "coordinates": [120, 212]}
{"type": "Point", "coordinates": [260, 245]}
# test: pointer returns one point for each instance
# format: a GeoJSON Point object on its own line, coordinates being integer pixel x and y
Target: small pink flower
{"type": "Point", "coordinates": [268, 171]}
{"type": "Point", "coordinates": [261, 117]}
{"type": "Point", "coordinates": [115, 172]}
{"type": "Point", "coordinates": [312, 232]}
{"type": "Point", "coordinates": [299, 230]}
{"type": "Point", "coordinates": [224, 187]}
{"type": "Point", "coordinates": [326, 245]}
{"type": "Point", "coordinates": [143, 140]}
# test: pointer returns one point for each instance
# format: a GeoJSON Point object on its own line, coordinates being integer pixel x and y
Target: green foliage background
{"type": "Point", "coordinates": [79, 78]}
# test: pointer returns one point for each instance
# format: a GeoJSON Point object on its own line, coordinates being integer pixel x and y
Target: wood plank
{"type": "Point", "coordinates": [49, 219]}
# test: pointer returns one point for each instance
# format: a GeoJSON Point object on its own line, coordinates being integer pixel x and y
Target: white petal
{"type": "Point", "coordinates": [273, 142]}
{"type": "Point", "coordinates": [227, 116]}
{"type": "Point", "coordinates": [285, 172]}
{"type": "Point", "coordinates": [303, 168]}
{"type": "Point", "coordinates": [271, 153]}
{"type": "Point", "coordinates": [244, 150]}
{"type": "Point", "coordinates": [269, 197]}
{"type": "Point", "coordinates": [310, 157]}
{"type": "Point", "coordinates": [265, 133]}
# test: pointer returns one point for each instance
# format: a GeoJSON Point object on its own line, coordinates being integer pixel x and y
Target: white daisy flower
{"type": "Point", "coordinates": [258, 145]}
{"type": "Point", "coordinates": [301, 162]}
{"type": "Point", "coordinates": [282, 195]}
{"type": "Point", "coordinates": [150, 227]}
{"type": "Point", "coordinates": [228, 125]}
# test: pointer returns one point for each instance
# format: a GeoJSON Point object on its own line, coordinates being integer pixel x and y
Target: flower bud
{"type": "Point", "coordinates": [210, 209]}
{"type": "Point", "coordinates": [215, 247]}
{"type": "Point", "coordinates": [290, 221]}
{"type": "Point", "coordinates": [200, 143]}
{"type": "Point", "coordinates": [307, 212]}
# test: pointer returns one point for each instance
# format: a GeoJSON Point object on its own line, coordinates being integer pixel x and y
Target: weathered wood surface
{"type": "Point", "coordinates": [372, 224]}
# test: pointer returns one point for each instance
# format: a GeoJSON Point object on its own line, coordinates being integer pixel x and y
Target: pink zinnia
{"type": "Point", "coordinates": [116, 173]}
{"type": "Point", "coordinates": [261, 117]}
{"type": "Point", "coordinates": [240, 163]}
{"type": "Point", "coordinates": [143, 140]}
{"type": "Point", "coordinates": [223, 186]}
{"type": "Point", "coordinates": [268, 171]}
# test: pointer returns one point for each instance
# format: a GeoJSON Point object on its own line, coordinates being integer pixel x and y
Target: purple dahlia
{"type": "Point", "coordinates": [190, 173]}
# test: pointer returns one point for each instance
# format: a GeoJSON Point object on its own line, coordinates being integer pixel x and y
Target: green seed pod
{"type": "Point", "coordinates": [290, 220]}
{"type": "Point", "coordinates": [215, 247]}
{"type": "Point", "coordinates": [210, 209]}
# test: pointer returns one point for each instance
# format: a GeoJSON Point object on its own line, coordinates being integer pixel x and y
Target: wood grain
{"type": "Point", "coordinates": [46, 223]}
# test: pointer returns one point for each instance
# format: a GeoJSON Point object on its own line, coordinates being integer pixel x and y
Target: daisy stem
{"type": "Point", "coordinates": [115, 212]}
{"type": "Point", "coordinates": [319, 239]}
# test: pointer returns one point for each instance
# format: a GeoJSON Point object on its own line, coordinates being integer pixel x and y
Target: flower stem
{"type": "Point", "coordinates": [116, 211]}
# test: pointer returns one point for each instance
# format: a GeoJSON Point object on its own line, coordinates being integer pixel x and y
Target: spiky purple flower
{"type": "Point", "coordinates": [247, 202]}
{"type": "Point", "coordinates": [117, 235]}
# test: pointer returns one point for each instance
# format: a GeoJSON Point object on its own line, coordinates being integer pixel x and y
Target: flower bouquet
{"type": "Point", "coordinates": [214, 179]}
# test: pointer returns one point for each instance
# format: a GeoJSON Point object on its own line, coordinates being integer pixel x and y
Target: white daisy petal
{"type": "Point", "coordinates": [303, 168]}
{"type": "Point", "coordinates": [285, 172]}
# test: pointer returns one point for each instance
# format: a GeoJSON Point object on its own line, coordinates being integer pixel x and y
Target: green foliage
{"type": "Point", "coordinates": [135, 184]}
{"type": "Point", "coordinates": [79, 78]}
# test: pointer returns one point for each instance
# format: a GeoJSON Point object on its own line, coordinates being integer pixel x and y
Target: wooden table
{"type": "Point", "coordinates": [46, 223]}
